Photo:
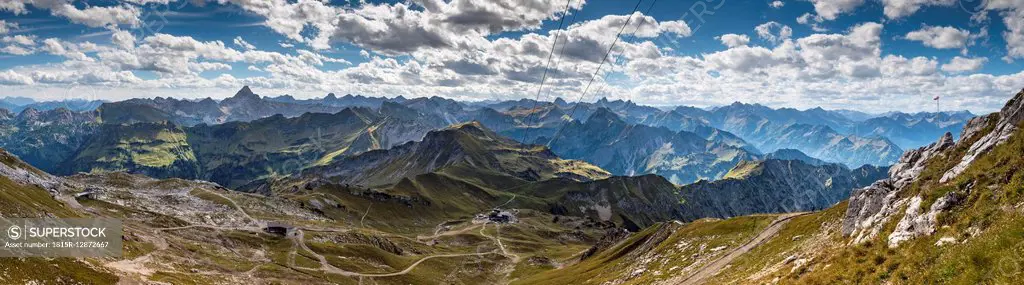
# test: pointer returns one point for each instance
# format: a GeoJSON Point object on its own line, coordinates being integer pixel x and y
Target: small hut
{"type": "Point", "coordinates": [278, 229]}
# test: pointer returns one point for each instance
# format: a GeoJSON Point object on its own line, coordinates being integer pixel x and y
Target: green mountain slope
{"type": "Point", "coordinates": [467, 144]}
{"type": "Point", "coordinates": [949, 213]}
{"type": "Point", "coordinates": [237, 153]}
{"type": "Point", "coordinates": [154, 149]}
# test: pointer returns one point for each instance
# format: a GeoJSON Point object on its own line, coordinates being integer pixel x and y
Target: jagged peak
{"type": "Point", "coordinates": [28, 113]}
{"type": "Point", "coordinates": [604, 115]}
{"type": "Point", "coordinates": [1013, 111]}
{"type": "Point", "coordinates": [395, 109]}
{"type": "Point", "coordinates": [245, 92]}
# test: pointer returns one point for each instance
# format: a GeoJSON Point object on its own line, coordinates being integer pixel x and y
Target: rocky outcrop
{"type": "Point", "coordinates": [1009, 120]}
{"type": "Point", "coordinates": [18, 171]}
{"type": "Point", "coordinates": [916, 223]}
{"type": "Point", "coordinates": [873, 206]}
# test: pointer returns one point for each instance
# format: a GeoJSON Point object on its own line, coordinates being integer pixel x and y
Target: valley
{"type": "Point", "coordinates": [511, 142]}
{"type": "Point", "coordinates": [382, 196]}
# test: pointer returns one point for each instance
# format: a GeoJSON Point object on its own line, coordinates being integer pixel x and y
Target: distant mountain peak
{"type": "Point", "coordinates": [245, 93]}
{"type": "Point", "coordinates": [604, 115]}
{"type": "Point", "coordinates": [331, 96]}
{"type": "Point", "coordinates": [472, 126]}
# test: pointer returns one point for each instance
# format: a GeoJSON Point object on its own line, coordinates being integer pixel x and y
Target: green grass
{"type": "Point", "coordinates": [744, 169]}
{"type": "Point", "coordinates": [30, 201]}
{"type": "Point", "coordinates": [675, 252]}
{"type": "Point", "coordinates": [990, 207]}
{"type": "Point", "coordinates": [52, 271]}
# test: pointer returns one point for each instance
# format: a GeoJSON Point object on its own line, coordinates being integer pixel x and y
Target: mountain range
{"type": "Point", "coordinates": [247, 137]}
{"type": "Point", "coordinates": [944, 214]}
{"type": "Point", "coordinates": [385, 192]}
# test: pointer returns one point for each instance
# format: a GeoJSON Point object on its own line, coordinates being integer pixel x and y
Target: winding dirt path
{"type": "Point", "coordinates": [497, 239]}
{"type": "Point", "coordinates": [233, 203]}
{"type": "Point", "coordinates": [712, 268]}
{"type": "Point", "coordinates": [327, 267]}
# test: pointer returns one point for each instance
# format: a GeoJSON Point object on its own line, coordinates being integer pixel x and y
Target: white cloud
{"type": "Point", "coordinates": [895, 66]}
{"type": "Point", "coordinates": [66, 49]}
{"type": "Point", "coordinates": [448, 51]}
{"type": "Point", "coordinates": [773, 31]}
{"type": "Point", "coordinates": [398, 28]}
{"type": "Point", "coordinates": [243, 44]}
{"type": "Point", "coordinates": [963, 64]}
{"type": "Point", "coordinates": [812, 20]}
{"type": "Point", "coordinates": [776, 4]}
{"type": "Point", "coordinates": [20, 39]}
{"type": "Point", "coordinates": [123, 39]}
{"type": "Point", "coordinates": [16, 50]}
{"type": "Point", "coordinates": [734, 40]}
{"type": "Point", "coordinates": [940, 37]}
{"type": "Point", "coordinates": [1014, 34]}
{"type": "Point", "coordinates": [900, 8]}
{"type": "Point", "coordinates": [9, 77]}
{"type": "Point", "coordinates": [741, 59]}
{"type": "Point", "coordinates": [6, 27]}
{"type": "Point", "coordinates": [91, 16]}
{"type": "Point", "coordinates": [831, 9]}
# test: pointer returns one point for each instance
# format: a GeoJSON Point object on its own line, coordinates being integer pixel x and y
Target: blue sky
{"type": "Point", "coordinates": [866, 55]}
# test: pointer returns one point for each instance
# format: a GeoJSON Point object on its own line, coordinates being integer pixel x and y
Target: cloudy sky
{"type": "Point", "coordinates": [866, 55]}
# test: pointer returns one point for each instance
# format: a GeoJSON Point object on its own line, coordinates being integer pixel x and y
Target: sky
{"type": "Point", "coordinates": [865, 55]}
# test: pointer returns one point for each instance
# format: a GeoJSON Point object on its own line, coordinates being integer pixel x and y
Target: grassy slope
{"type": "Point", "coordinates": [670, 257]}
{"type": "Point", "coordinates": [22, 201]}
{"type": "Point", "coordinates": [155, 148]}
{"type": "Point", "coordinates": [810, 249]}
{"type": "Point", "coordinates": [991, 209]}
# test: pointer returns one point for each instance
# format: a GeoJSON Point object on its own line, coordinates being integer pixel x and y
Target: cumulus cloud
{"type": "Point", "coordinates": [773, 31]}
{"type": "Point", "coordinates": [831, 9]}
{"type": "Point", "coordinates": [16, 50]}
{"type": "Point", "coordinates": [123, 39]}
{"type": "Point", "coordinates": [900, 8]}
{"type": "Point", "coordinates": [734, 40]}
{"type": "Point", "coordinates": [24, 40]}
{"type": "Point", "coordinates": [814, 21]}
{"type": "Point", "coordinates": [448, 48]}
{"type": "Point", "coordinates": [963, 64]}
{"type": "Point", "coordinates": [399, 28]}
{"type": "Point", "coordinates": [940, 37]}
{"type": "Point", "coordinates": [9, 77]}
{"type": "Point", "coordinates": [898, 66]}
{"type": "Point", "coordinates": [1014, 34]}
{"type": "Point", "coordinates": [776, 4]}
